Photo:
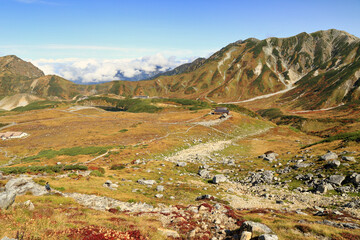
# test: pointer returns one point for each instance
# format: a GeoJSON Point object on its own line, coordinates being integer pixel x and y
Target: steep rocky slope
{"type": "Point", "coordinates": [317, 70]}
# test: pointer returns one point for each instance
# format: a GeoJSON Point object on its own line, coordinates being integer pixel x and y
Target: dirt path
{"type": "Point", "coordinates": [260, 97]}
{"type": "Point", "coordinates": [7, 126]}
{"type": "Point", "coordinates": [203, 151]}
{"type": "Point", "coordinates": [95, 158]}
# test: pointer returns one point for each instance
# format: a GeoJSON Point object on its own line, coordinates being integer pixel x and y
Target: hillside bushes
{"type": "Point", "coordinates": [37, 169]}
{"type": "Point", "coordinates": [67, 152]}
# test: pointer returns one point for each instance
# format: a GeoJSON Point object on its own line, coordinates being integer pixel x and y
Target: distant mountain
{"type": "Point", "coordinates": [306, 71]}
{"type": "Point", "coordinates": [141, 74]}
{"type": "Point", "coordinates": [184, 68]}
{"type": "Point", "coordinates": [15, 74]}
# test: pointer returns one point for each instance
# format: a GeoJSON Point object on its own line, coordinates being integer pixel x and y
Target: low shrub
{"type": "Point", "coordinates": [117, 167]}
{"type": "Point", "coordinates": [96, 173]}
{"type": "Point", "coordinates": [37, 169]}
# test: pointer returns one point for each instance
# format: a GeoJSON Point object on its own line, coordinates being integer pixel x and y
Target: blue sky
{"type": "Point", "coordinates": [133, 28]}
{"type": "Point", "coordinates": [119, 29]}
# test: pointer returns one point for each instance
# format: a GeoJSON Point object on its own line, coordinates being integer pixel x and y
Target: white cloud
{"type": "Point", "coordinates": [95, 70]}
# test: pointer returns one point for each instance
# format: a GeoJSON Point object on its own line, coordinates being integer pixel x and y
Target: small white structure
{"type": "Point", "coordinates": [11, 135]}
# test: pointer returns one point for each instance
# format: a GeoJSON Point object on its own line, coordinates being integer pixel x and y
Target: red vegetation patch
{"type": "Point", "coordinates": [180, 207]}
{"type": "Point", "coordinates": [117, 220]}
{"type": "Point", "coordinates": [260, 210]}
{"type": "Point", "coordinates": [345, 215]}
{"type": "Point", "coordinates": [101, 233]}
{"type": "Point", "coordinates": [113, 210]}
{"type": "Point", "coordinates": [235, 215]}
{"type": "Point", "coordinates": [303, 228]}
{"type": "Point", "coordinates": [208, 206]}
{"type": "Point", "coordinates": [42, 213]}
{"type": "Point", "coordinates": [346, 236]}
{"type": "Point", "coordinates": [349, 236]}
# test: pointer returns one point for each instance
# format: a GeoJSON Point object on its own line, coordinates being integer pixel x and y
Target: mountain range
{"type": "Point", "coordinates": [306, 71]}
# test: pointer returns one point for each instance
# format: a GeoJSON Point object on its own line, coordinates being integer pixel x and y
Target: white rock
{"type": "Point", "coordinates": [219, 178]}
{"type": "Point", "coordinates": [160, 188]}
{"type": "Point", "coordinates": [159, 195]}
{"type": "Point", "coordinates": [7, 199]}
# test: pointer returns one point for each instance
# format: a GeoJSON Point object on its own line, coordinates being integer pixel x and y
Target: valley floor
{"type": "Point", "coordinates": [176, 174]}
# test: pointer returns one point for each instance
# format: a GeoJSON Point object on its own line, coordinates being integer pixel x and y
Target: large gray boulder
{"type": "Point", "coordinates": [7, 199]}
{"type": "Point", "coordinates": [19, 186]}
{"type": "Point", "coordinates": [355, 179]}
{"type": "Point", "coordinates": [329, 156]}
{"type": "Point", "coordinates": [336, 179]}
{"type": "Point", "coordinates": [219, 178]}
{"type": "Point", "coordinates": [333, 164]}
{"type": "Point", "coordinates": [250, 226]}
{"type": "Point", "coordinates": [204, 173]}
{"type": "Point", "coordinates": [23, 185]}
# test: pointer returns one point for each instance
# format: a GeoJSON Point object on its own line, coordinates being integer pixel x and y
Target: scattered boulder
{"type": "Point", "coordinates": [7, 199]}
{"type": "Point", "coordinates": [29, 205]}
{"type": "Point", "coordinates": [352, 204]}
{"type": "Point", "coordinates": [169, 233]}
{"type": "Point", "coordinates": [355, 179]}
{"type": "Point", "coordinates": [23, 185]}
{"type": "Point", "coordinates": [146, 182]}
{"type": "Point", "coordinates": [204, 173]}
{"type": "Point", "coordinates": [251, 226]}
{"type": "Point", "coordinates": [181, 164]}
{"type": "Point", "coordinates": [110, 185]}
{"type": "Point", "coordinates": [205, 197]}
{"type": "Point", "coordinates": [336, 179]}
{"type": "Point", "coordinates": [329, 156]}
{"type": "Point", "coordinates": [219, 178]}
{"type": "Point", "coordinates": [260, 177]}
{"type": "Point", "coordinates": [323, 188]}
{"type": "Point", "coordinates": [348, 158]}
{"type": "Point", "coordinates": [301, 165]}
{"type": "Point", "coordinates": [245, 235]}
{"type": "Point", "coordinates": [19, 186]}
{"type": "Point", "coordinates": [160, 188]}
{"type": "Point", "coordinates": [159, 195]}
{"type": "Point", "coordinates": [269, 156]}
{"type": "Point", "coordinates": [333, 164]}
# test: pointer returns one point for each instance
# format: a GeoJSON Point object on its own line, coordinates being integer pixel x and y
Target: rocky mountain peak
{"type": "Point", "coordinates": [11, 64]}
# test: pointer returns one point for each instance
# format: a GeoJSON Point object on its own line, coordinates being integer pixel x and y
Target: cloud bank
{"type": "Point", "coordinates": [95, 70]}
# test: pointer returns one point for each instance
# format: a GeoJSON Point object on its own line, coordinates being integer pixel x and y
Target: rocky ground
{"type": "Point", "coordinates": [230, 194]}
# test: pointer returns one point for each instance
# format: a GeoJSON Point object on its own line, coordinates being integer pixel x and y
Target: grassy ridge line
{"type": "Point", "coordinates": [37, 106]}
{"type": "Point", "coordinates": [144, 105]}
{"type": "Point", "coordinates": [353, 136]}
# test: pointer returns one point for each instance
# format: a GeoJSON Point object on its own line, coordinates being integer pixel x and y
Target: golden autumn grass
{"type": "Point", "coordinates": [148, 137]}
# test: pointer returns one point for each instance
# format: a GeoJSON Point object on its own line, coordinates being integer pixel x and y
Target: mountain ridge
{"type": "Point", "coordinates": [309, 71]}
